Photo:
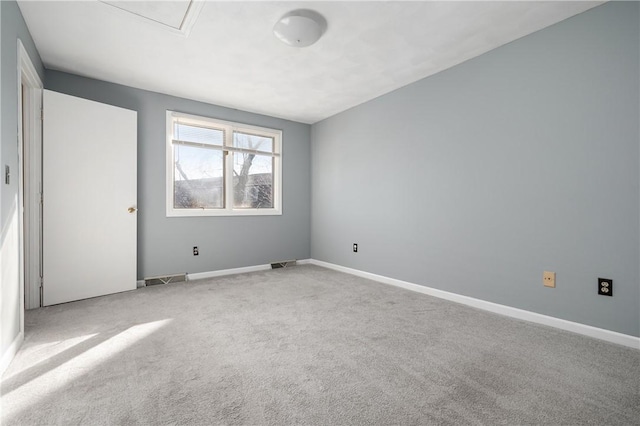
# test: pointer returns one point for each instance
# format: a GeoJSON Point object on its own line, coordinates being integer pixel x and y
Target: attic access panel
{"type": "Point", "coordinates": [178, 15]}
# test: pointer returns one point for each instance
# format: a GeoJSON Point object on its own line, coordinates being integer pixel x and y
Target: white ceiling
{"type": "Point", "coordinates": [230, 56]}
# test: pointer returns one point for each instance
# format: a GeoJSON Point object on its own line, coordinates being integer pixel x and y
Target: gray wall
{"type": "Point", "coordinates": [481, 177]}
{"type": "Point", "coordinates": [12, 29]}
{"type": "Point", "coordinates": [165, 244]}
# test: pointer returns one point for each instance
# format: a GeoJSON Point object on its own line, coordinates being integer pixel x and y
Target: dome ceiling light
{"type": "Point", "coordinates": [300, 28]}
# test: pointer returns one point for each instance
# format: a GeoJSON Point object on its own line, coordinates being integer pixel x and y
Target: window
{"type": "Point", "coordinates": [220, 168]}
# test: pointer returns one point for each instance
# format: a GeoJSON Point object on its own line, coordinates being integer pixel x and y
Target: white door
{"type": "Point", "coordinates": [90, 191]}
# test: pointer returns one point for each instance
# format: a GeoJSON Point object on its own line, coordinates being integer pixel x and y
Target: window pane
{"type": "Point", "coordinates": [197, 134]}
{"type": "Point", "coordinates": [248, 141]}
{"type": "Point", "coordinates": [252, 181]}
{"type": "Point", "coordinates": [198, 178]}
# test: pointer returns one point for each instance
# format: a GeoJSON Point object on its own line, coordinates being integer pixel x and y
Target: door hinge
{"type": "Point", "coordinates": [41, 114]}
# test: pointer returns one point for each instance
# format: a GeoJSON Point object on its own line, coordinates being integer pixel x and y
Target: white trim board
{"type": "Point", "coordinates": [586, 330]}
{"type": "Point", "coordinates": [11, 352]}
{"type": "Point", "coordinates": [234, 271]}
{"type": "Point", "coordinates": [223, 272]}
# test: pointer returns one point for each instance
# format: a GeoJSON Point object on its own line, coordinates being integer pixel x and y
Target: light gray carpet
{"type": "Point", "coordinates": [306, 345]}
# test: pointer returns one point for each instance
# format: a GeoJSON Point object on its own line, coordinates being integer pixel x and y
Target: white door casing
{"type": "Point", "coordinates": [30, 175]}
{"type": "Point", "coordinates": [89, 184]}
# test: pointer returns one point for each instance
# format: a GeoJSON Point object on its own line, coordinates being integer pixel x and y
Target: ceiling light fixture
{"type": "Point", "coordinates": [300, 28]}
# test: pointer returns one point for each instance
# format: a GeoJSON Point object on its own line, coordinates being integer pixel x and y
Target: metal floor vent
{"type": "Point", "coordinates": [283, 264]}
{"type": "Point", "coordinates": [165, 279]}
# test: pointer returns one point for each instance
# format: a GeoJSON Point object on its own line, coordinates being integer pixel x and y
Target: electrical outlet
{"type": "Point", "coordinates": [195, 250]}
{"type": "Point", "coordinates": [549, 279]}
{"type": "Point", "coordinates": [355, 247]}
{"type": "Point", "coordinates": [605, 287]}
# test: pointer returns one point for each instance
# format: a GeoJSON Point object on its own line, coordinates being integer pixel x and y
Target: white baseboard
{"type": "Point", "coordinates": [140, 284]}
{"type": "Point", "coordinates": [222, 272]}
{"type": "Point", "coordinates": [587, 330]}
{"type": "Point", "coordinates": [11, 351]}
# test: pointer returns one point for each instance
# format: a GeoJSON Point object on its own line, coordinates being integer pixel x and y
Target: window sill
{"type": "Point", "coordinates": [223, 212]}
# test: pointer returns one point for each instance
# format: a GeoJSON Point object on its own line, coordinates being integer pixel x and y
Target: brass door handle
{"type": "Point", "coordinates": [132, 210]}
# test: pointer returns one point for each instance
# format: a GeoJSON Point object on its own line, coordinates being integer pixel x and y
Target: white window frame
{"type": "Point", "coordinates": [229, 127]}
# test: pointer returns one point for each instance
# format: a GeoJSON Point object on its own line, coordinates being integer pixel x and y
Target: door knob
{"type": "Point", "coordinates": [132, 209]}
